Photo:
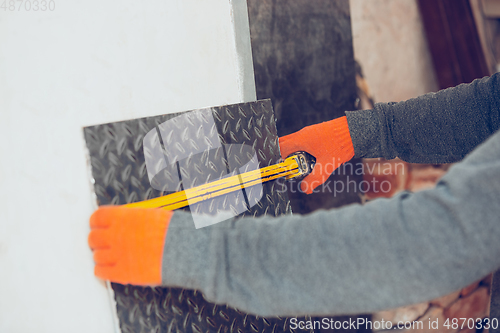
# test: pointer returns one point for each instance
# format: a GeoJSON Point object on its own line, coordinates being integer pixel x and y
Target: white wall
{"type": "Point", "coordinates": [84, 63]}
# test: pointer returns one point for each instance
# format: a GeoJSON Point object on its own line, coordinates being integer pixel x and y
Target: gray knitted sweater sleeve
{"type": "Point", "coordinates": [358, 259]}
{"type": "Point", "coordinates": [437, 127]}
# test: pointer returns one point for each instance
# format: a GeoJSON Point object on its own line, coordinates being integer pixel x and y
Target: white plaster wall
{"type": "Point", "coordinates": [390, 44]}
{"type": "Point", "coordinates": [84, 63]}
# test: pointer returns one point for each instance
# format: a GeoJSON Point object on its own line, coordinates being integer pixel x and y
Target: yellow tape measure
{"type": "Point", "coordinates": [294, 166]}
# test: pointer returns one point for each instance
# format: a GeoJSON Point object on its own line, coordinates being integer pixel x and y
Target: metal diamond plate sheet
{"type": "Point", "coordinates": [227, 142]}
{"type": "Point", "coordinates": [303, 59]}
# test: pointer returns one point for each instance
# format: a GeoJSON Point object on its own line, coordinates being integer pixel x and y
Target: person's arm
{"type": "Point", "coordinates": [433, 128]}
{"type": "Point", "coordinates": [357, 259]}
{"type": "Point", "coordinates": [437, 127]}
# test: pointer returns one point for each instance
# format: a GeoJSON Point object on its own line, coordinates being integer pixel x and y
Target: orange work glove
{"type": "Point", "coordinates": [128, 243]}
{"type": "Point", "coordinates": [329, 142]}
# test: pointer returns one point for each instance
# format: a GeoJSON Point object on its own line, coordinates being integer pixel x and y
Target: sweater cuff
{"type": "Point", "coordinates": [364, 127]}
{"type": "Point", "coordinates": [186, 258]}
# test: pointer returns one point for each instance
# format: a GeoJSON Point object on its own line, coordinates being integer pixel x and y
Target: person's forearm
{"type": "Point", "coordinates": [438, 127]}
{"type": "Point", "coordinates": [357, 259]}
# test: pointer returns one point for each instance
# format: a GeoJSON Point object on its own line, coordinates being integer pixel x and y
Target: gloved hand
{"type": "Point", "coordinates": [329, 142]}
{"type": "Point", "coordinates": [128, 243]}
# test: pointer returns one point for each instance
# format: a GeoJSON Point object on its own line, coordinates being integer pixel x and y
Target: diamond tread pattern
{"type": "Point", "coordinates": [120, 176]}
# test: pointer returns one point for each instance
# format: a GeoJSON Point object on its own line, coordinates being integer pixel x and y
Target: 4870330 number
{"type": "Point", "coordinates": [471, 323]}
{"type": "Point", "coordinates": [28, 5]}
